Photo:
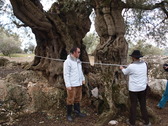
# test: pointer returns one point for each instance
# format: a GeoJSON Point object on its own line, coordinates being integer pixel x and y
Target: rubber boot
{"type": "Point", "coordinates": [77, 110]}
{"type": "Point", "coordinates": [69, 112]}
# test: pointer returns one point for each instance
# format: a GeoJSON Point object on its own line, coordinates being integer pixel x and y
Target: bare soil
{"type": "Point", "coordinates": [42, 119]}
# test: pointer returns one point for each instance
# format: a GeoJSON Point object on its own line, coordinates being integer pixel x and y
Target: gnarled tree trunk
{"type": "Point", "coordinates": [56, 32]}
{"type": "Point", "coordinates": [112, 49]}
{"type": "Point", "coordinates": [63, 27]}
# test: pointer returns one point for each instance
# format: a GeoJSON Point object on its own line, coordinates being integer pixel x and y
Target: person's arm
{"type": "Point", "coordinates": [66, 74]}
{"type": "Point", "coordinates": [166, 67]}
{"type": "Point", "coordinates": [126, 71]}
{"type": "Point", "coordinates": [83, 79]}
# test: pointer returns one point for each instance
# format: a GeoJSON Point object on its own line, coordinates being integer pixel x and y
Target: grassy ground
{"type": "Point", "coordinates": [18, 55]}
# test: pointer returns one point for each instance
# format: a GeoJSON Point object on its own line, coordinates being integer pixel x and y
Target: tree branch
{"type": "Point", "coordinates": [19, 25]}
{"type": "Point", "coordinates": [38, 4]}
{"type": "Point", "coordinates": [162, 5]}
{"type": "Point", "coordinates": [30, 14]}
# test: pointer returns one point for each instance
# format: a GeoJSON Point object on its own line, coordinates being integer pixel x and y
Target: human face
{"type": "Point", "coordinates": [77, 53]}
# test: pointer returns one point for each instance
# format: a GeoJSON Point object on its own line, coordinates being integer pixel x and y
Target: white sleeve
{"type": "Point", "coordinates": [66, 73]}
{"type": "Point", "coordinates": [126, 71]}
{"type": "Point", "coordinates": [83, 77]}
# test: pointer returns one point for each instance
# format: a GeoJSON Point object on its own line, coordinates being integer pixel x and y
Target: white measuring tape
{"type": "Point", "coordinates": [61, 60]}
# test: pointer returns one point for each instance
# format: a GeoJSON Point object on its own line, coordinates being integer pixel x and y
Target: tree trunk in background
{"type": "Point", "coordinates": [58, 30]}
{"type": "Point", "coordinates": [112, 49]}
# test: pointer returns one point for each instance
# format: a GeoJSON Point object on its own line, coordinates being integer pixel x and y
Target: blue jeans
{"type": "Point", "coordinates": [164, 99]}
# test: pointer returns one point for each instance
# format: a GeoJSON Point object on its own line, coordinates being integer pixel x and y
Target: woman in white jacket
{"type": "Point", "coordinates": [74, 78]}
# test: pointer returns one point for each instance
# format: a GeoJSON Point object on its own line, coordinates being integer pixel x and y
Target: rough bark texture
{"type": "Point", "coordinates": [112, 49]}
{"type": "Point", "coordinates": [63, 27]}
{"type": "Point", "coordinates": [56, 32]}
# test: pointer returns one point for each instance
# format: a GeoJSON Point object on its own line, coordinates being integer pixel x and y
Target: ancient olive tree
{"type": "Point", "coordinates": [66, 24]}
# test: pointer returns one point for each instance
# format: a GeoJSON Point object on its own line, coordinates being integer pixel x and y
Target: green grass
{"type": "Point", "coordinates": [18, 55]}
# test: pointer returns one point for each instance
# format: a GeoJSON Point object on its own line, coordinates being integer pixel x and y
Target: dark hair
{"type": "Point", "coordinates": [73, 50]}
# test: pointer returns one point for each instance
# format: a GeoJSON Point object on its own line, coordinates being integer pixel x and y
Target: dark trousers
{"type": "Point", "coordinates": [134, 98]}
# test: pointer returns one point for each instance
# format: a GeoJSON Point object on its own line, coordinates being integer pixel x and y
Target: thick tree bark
{"type": "Point", "coordinates": [56, 32]}
{"type": "Point", "coordinates": [112, 49]}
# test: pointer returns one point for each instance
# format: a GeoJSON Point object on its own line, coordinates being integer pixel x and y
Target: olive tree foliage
{"type": "Point", "coordinates": [147, 20]}
{"type": "Point", "coordinates": [9, 43]}
{"type": "Point", "coordinates": [29, 48]}
{"type": "Point", "coordinates": [145, 48]}
{"type": "Point", "coordinates": [6, 13]}
{"type": "Point", "coordinates": [1, 3]}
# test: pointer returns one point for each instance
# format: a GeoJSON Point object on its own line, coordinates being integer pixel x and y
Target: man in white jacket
{"type": "Point", "coordinates": [137, 85]}
{"type": "Point", "coordinates": [73, 78]}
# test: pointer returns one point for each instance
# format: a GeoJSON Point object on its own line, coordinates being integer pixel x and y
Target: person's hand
{"type": "Point", "coordinates": [69, 88]}
{"type": "Point", "coordinates": [83, 82]}
{"type": "Point", "coordinates": [121, 67]}
{"type": "Point", "coordinates": [166, 67]}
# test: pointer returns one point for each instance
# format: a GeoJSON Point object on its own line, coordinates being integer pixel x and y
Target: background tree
{"type": "Point", "coordinates": [1, 3]}
{"type": "Point", "coordinates": [26, 50]}
{"type": "Point", "coordinates": [145, 48]}
{"type": "Point", "coordinates": [29, 48]}
{"type": "Point", "coordinates": [9, 43]}
{"type": "Point", "coordinates": [66, 24]}
{"type": "Point", "coordinates": [146, 19]}
{"type": "Point", "coordinates": [91, 41]}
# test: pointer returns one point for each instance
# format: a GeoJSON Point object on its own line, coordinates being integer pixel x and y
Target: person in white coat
{"type": "Point", "coordinates": [137, 87]}
{"type": "Point", "coordinates": [74, 79]}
